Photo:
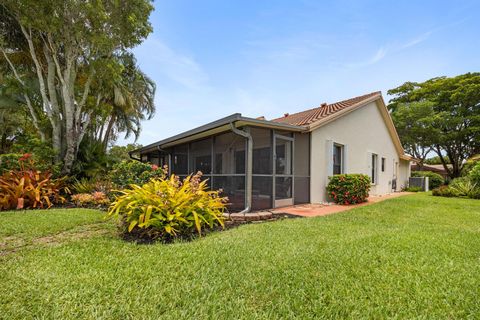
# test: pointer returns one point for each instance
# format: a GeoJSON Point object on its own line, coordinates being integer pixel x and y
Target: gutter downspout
{"type": "Point", "coordinates": [248, 183]}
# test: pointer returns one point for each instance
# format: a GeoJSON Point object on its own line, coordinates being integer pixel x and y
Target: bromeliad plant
{"type": "Point", "coordinates": [29, 188]}
{"type": "Point", "coordinates": [349, 188]}
{"type": "Point", "coordinates": [168, 208]}
{"type": "Point", "coordinates": [96, 199]}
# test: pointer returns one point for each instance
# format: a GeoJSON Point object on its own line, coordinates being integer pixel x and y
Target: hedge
{"type": "Point", "coordinates": [349, 188]}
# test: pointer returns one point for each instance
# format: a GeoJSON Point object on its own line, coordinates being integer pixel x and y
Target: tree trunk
{"type": "Point", "coordinates": [108, 131]}
{"type": "Point", "coordinates": [438, 151]}
{"type": "Point", "coordinates": [3, 143]}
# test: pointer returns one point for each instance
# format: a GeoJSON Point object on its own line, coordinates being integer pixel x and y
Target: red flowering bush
{"type": "Point", "coordinates": [349, 188]}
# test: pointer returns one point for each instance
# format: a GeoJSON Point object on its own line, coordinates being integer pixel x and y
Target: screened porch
{"type": "Point", "coordinates": [279, 173]}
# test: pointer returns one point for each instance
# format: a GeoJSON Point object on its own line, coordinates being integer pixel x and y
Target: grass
{"type": "Point", "coordinates": [416, 256]}
{"type": "Point", "coordinates": [20, 228]}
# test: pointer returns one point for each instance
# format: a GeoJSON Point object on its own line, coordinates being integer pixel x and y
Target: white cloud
{"type": "Point", "coordinates": [376, 57]}
{"type": "Point", "coordinates": [379, 55]}
{"type": "Point", "coordinates": [419, 39]}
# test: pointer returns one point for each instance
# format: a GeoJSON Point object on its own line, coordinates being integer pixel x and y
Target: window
{"type": "Point", "coordinates": [373, 175]}
{"type": "Point", "coordinates": [180, 159]}
{"type": "Point", "coordinates": [229, 153]}
{"type": "Point", "coordinates": [383, 164]}
{"type": "Point", "coordinates": [262, 151]}
{"type": "Point", "coordinates": [201, 156]}
{"type": "Point", "coordinates": [337, 159]}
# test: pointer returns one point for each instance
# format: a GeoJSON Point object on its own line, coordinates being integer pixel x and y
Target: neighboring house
{"type": "Point", "coordinates": [437, 168]}
{"type": "Point", "coordinates": [263, 164]}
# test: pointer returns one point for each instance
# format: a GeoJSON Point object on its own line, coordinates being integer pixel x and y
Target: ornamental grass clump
{"type": "Point", "coordinates": [348, 188]}
{"type": "Point", "coordinates": [168, 208]}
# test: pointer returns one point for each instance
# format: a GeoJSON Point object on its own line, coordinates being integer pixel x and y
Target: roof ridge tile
{"type": "Point", "coordinates": [309, 116]}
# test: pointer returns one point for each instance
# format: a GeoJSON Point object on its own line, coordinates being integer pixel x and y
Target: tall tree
{"type": "Point", "coordinates": [128, 99]}
{"type": "Point", "coordinates": [455, 118]}
{"type": "Point", "coordinates": [415, 125]}
{"type": "Point", "coordinates": [69, 44]}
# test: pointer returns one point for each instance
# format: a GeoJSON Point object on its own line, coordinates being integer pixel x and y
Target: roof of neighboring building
{"type": "Point", "coordinates": [325, 110]}
{"type": "Point", "coordinates": [431, 167]}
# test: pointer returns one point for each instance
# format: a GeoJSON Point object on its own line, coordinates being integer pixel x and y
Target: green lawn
{"type": "Point", "coordinates": [411, 257]}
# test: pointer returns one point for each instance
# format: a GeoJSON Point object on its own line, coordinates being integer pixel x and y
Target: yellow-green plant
{"type": "Point", "coordinates": [168, 208]}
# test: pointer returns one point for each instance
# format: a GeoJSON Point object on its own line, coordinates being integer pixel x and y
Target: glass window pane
{"type": "Point", "coordinates": [262, 150]}
{"type": "Point", "coordinates": [229, 150]}
{"type": "Point", "coordinates": [283, 188]}
{"type": "Point", "coordinates": [337, 159]}
{"type": "Point", "coordinates": [233, 188]}
{"type": "Point", "coordinates": [201, 156]}
{"type": "Point", "coordinates": [180, 159]}
{"type": "Point", "coordinates": [261, 193]}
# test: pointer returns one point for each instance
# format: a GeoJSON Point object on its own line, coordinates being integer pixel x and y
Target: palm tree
{"type": "Point", "coordinates": [127, 101]}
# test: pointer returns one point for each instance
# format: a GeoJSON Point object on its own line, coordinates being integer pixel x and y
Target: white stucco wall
{"type": "Point", "coordinates": [404, 174]}
{"type": "Point", "coordinates": [362, 132]}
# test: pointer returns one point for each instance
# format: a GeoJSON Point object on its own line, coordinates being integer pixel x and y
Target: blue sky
{"type": "Point", "coordinates": [210, 59]}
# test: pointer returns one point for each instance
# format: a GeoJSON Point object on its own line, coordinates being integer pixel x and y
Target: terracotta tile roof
{"type": "Point", "coordinates": [307, 117]}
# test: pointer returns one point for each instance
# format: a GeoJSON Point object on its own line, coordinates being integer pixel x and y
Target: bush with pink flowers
{"type": "Point", "coordinates": [349, 188]}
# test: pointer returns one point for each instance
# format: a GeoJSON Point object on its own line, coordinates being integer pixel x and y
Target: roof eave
{"type": "Point", "coordinates": [221, 125]}
{"type": "Point", "coordinates": [386, 116]}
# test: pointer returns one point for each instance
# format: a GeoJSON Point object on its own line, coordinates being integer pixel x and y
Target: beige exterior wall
{"type": "Point", "coordinates": [404, 174]}
{"type": "Point", "coordinates": [361, 132]}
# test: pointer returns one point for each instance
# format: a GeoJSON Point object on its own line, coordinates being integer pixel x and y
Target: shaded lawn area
{"type": "Point", "coordinates": [416, 256]}
{"type": "Point", "coordinates": [22, 227]}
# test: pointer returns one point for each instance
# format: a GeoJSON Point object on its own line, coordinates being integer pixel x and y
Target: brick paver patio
{"type": "Point", "coordinates": [314, 210]}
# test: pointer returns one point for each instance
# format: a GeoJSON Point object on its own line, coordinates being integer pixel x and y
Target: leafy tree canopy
{"type": "Point", "coordinates": [60, 53]}
{"type": "Point", "coordinates": [452, 130]}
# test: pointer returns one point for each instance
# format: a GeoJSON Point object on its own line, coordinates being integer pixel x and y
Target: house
{"type": "Point", "coordinates": [261, 164]}
{"type": "Point", "coordinates": [437, 168]}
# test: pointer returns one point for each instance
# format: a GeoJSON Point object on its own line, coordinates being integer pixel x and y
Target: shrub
{"type": "Point", "coordinates": [434, 179]}
{"type": "Point", "coordinates": [83, 186]}
{"type": "Point", "coordinates": [474, 174]}
{"type": "Point", "coordinates": [474, 194]}
{"type": "Point", "coordinates": [462, 186]}
{"type": "Point", "coordinates": [29, 188]}
{"type": "Point", "coordinates": [9, 161]}
{"type": "Point", "coordinates": [42, 153]}
{"type": "Point", "coordinates": [445, 191]}
{"type": "Point", "coordinates": [96, 198]}
{"type": "Point", "coordinates": [414, 189]}
{"type": "Point", "coordinates": [167, 208]}
{"type": "Point", "coordinates": [349, 188]}
{"type": "Point", "coordinates": [82, 199]}
{"type": "Point", "coordinates": [126, 173]}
